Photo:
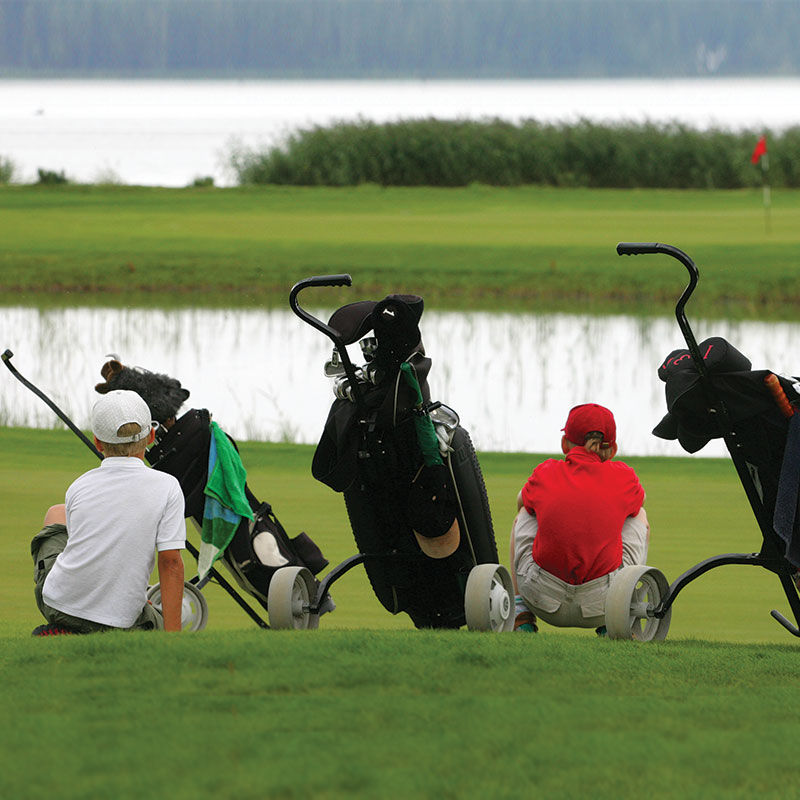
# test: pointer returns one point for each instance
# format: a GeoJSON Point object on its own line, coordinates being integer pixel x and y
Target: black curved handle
{"type": "Point", "coordinates": [319, 280]}
{"type": "Point", "coordinates": [637, 248]}
{"type": "Point", "coordinates": [342, 279]}
{"type": "Point", "coordinates": [643, 248]}
{"type": "Point", "coordinates": [331, 333]}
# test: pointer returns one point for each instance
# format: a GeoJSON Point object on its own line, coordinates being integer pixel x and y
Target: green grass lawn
{"type": "Point", "coordinates": [417, 714]}
{"type": "Point", "coordinates": [366, 706]}
{"type": "Point", "coordinates": [521, 248]}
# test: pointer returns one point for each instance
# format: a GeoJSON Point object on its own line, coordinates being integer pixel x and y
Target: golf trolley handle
{"type": "Point", "coordinates": [331, 333]}
{"type": "Point", "coordinates": [645, 248]}
{"type": "Point", "coordinates": [714, 404]}
{"type": "Point", "coordinates": [7, 356]}
{"type": "Point", "coordinates": [320, 280]}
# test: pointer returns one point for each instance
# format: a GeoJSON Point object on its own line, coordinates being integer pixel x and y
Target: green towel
{"type": "Point", "coordinates": [227, 479]}
{"type": "Point", "coordinates": [226, 503]}
{"type": "Point", "coordinates": [426, 433]}
{"type": "Point", "coordinates": [431, 501]}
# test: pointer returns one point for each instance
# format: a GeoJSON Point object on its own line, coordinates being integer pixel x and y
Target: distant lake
{"type": "Point", "coordinates": [169, 132]}
{"type": "Point", "coordinates": [511, 377]}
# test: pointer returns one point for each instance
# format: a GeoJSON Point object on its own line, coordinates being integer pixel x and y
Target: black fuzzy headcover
{"type": "Point", "coordinates": [164, 395]}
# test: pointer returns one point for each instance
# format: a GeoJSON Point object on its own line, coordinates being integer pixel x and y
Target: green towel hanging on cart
{"type": "Point", "coordinates": [432, 505]}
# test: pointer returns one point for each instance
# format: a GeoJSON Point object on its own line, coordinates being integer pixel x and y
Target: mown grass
{"type": "Point", "coordinates": [523, 248]}
{"type": "Point", "coordinates": [366, 714]}
{"type": "Point", "coordinates": [368, 707]}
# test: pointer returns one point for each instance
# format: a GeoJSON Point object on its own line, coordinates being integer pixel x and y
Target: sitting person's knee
{"type": "Point", "coordinates": [56, 515]}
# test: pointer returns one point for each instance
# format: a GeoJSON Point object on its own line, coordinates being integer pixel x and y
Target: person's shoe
{"type": "Point", "coordinates": [601, 631]}
{"type": "Point", "coordinates": [52, 630]}
{"type": "Point", "coordinates": [525, 622]}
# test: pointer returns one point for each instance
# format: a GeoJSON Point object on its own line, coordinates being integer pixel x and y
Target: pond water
{"type": "Point", "coordinates": [167, 133]}
{"type": "Point", "coordinates": [511, 377]}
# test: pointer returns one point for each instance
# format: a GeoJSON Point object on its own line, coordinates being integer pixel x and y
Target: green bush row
{"type": "Point", "coordinates": [428, 152]}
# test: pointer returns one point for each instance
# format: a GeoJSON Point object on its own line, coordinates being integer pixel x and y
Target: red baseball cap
{"type": "Point", "coordinates": [590, 417]}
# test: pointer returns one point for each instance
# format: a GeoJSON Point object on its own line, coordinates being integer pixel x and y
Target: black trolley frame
{"type": "Point", "coordinates": [770, 555]}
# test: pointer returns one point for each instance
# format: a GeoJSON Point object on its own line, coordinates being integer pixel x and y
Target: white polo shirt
{"type": "Point", "coordinates": [118, 515]}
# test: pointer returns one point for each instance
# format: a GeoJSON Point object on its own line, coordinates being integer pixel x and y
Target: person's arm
{"type": "Point", "coordinates": [170, 575]}
{"type": "Point", "coordinates": [635, 539]}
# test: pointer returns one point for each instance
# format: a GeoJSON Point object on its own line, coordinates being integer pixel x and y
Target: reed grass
{"type": "Point", "coordinates": [431, 152]}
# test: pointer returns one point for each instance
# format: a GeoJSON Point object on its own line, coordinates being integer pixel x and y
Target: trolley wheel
{"type": "Point", "coordinates": [634, 592]}
{"type": "Point", "coordinates": [489, 599]}
{"type": "Point", "coordinates": [194, 608]}
{"type": "Point", "coordinates": [291, 592]}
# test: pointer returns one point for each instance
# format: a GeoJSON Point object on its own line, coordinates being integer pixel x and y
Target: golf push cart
{"type": "Point", "coordinates": [712, 392]}
{"type": "Point", "coordinates": [412, 486]}
{"type": "Point", "coordinates": [259, 547]}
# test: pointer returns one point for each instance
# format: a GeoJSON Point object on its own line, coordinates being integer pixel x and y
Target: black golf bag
{"type": "Point", "coordinates": [259, 547]}
{"type": "Point", "coordinates": [420, 527]}
{"type": "Point", "coordinates": [763, 430]}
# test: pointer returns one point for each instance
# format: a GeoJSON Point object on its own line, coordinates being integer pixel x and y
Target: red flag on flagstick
{"type": "Point", "coordinates": [760, 154]}
{"type": "Point", "coordinates": [759, 150]}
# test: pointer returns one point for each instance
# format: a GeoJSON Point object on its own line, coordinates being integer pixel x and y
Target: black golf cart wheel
{"type": "Point", "coordinates": [194, 608]}
{"type": "Point", "coordinates": [489, 599]}
{"type": "Point", "coordinates": [291, 591]}
{"type": "Point", "coordinates": [634, 594]}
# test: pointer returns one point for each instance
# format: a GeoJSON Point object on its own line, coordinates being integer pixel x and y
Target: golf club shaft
{"type": "Point", "coordinates": [7, 356]}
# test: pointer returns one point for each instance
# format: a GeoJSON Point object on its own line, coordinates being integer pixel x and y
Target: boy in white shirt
{"type": "Point", "coordinates": [96, 551]}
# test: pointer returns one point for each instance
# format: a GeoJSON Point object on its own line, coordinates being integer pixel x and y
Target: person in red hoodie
{"type": "Point", "coordinates": [579, 521]}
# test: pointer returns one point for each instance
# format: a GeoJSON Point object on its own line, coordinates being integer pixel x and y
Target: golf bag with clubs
{"type": "Point", "coordinates": [260, 546]}
{"type": "Point", "coordinates": [408, 472]}
{"type": "Point", "coordinates": [712, 392]}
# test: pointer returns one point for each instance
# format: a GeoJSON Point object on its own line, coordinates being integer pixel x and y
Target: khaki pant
{"type": "Point", "coordinates": [563, 604]}
{"type": "Point", "coordinates": [45, 547]}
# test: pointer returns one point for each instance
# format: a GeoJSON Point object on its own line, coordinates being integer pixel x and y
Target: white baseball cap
{"type": "Point", "coordinates": [118, 408]}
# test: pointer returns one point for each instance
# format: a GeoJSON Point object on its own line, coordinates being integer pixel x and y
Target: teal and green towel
{"type": "Point", "coordinates": [226, 503]}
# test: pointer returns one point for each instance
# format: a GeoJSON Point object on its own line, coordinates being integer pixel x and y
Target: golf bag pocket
{"type": "Point", "coordinates": [308, 552]}
{"type": "Point", "coordinates": [261, 546]}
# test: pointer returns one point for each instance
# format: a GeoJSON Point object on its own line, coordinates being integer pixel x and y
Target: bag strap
{"type": "Point", "coordinates": [788, 488]}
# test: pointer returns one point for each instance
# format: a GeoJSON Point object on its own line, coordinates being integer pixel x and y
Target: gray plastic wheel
{"type": "Point", "coordinates": [291, 590]}
{"type": "Point", "coordinates": [634, 592]}
{"type": "Point", "coordinates": [194, 608]}
{"type": "Point", "coordinates": [489, 599]}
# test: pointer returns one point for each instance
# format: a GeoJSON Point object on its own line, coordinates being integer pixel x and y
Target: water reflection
{"type": "Point", "coordinates": [511, 377]}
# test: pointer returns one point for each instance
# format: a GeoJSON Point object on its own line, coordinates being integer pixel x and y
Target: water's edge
{"type": "Point", "coordinates": [511, 377]}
